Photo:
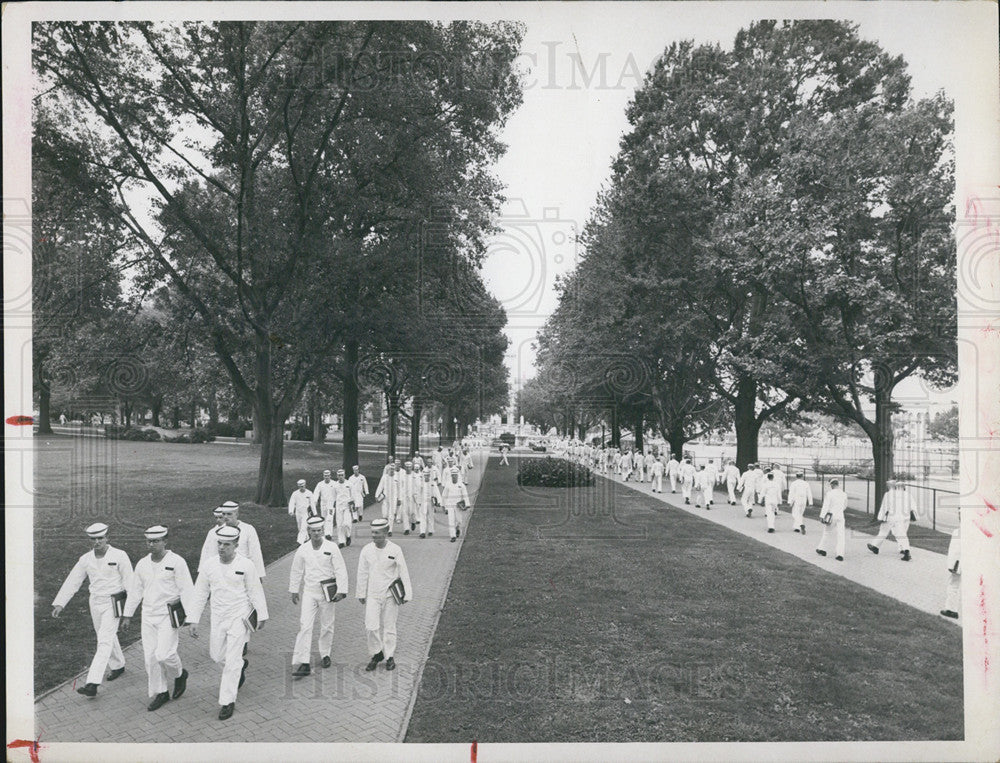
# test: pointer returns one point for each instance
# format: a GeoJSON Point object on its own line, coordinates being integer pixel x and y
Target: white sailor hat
{"type": "Point", "coordinates": [326, 471]}
{"type": "Point", "coordinates": [355, 467]}
{"type": "Point", "coordinates": [156, 532]}
{"type": "Point", "coordinates": [217, 511]}
{"type": "Point", "coordinates": [315, 521]}
{"type": "Point", "coordinates": [407, 463]}
{"type": "Point", "coordinates": [340, 471]}
{"type": "Point", "coordinates": [454, 470]}
{"type": "Point", "coordinates": [227, 533]}
{"type": "Point", "coordinates": [301, 483]}
{"type": "Point", "coordinates": [97, 530]}
{"type": "Point", "coordinates": [378, 524]}
{"type": "Point", "coordinates": [229, 506]}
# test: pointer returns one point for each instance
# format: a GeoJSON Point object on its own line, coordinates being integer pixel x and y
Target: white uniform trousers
{"type": "Point", "coordinates": [798, 513]}
{"type": "Point", "coordinates": [380, 623]}
{"type": "Point", "coordinates": [953, 597]}
{"type": "Point", "coordinates": [686, 487]}
{"type": "Point", "coordinates": [747, 498]}
{"type": "Point", "coordinates": [770, 512]}
{"type": "Point", "coordinates": [454, 520]}
{"type": "Point", "coordinates": [329, 518]}
{"type": "Point", "coordinates": [313, 603]}
{"type": "Point", "coordinates": [837, 527]}
{"type": "Point", "coordinates": [731, 487]}
{"type": "Point", "coordinates": [389, 512]}
{"type": "Point", "coordinates": [673, 482]}
{"type": "Point", "coordinates": [657, 483]}
{"type": "Point", "coordinates": [702, 495]}
{"type": "Point", "coordinates": [159, 647]}
{"type": "Point", "coordinates": [109, 651]}
{"type": "Point", "coordinates": [301, 515]}
{"type": "Point", "coordinates": [425, 517]}
{"type": "Point", "coordinates": [408, 512]}
{"type": "Point", "coordinates": [345, 521]}
{"type": "Point", "coordinates": [898, 528]}
{"type": "Point", "coordinates": [226, 648]}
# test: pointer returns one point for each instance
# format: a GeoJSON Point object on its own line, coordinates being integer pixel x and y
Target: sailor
{"type": "Point", "coordinates": [359, 490]}
{"type": "Point", "coordinates": [249, 542]}
{"type": "Point", "coordinates": [230, 580]}
{"type": "Point", "coordinates": [408, 498]}
{"type": "Point", "coordinates": [772, 496]}
{"type": "Point", "coordinates": [748, 488]}
{"type": "Point", "coordinates": [656, 470]}
{"type": "Point", "coordinates": [380, 564]}
{"type": "Point", "coordinates": [161, 579]}
{"type": "Point", "coordinates": [687, 474]}
{"type": "Point", "coordinates": [800, 496]}
{"type": "Point", "coordinates": [109, 572]}
{"type": "Point", "coordinates": [388, 493]}
{"type": "Point", "coordinates": [324, 500]}
{"type": "Point", "coordinates": [832, 515]}
{"type": "Point", "coordinates": [703, 484]}
{"type": "Point", "coordinates": [316, 561]}
{"type": "Point", "coordinates": [731, 475]}
{"type": "Point", "coordinates": [343, 504]}
{"type": "Point", "coordinates": [302, 505]}
{"type": "Point", "coordinates": [455, 499]}
{"type": "Point", "coordinates": [673, 472]}
{"type": "Point", "coordinates": [895, 518]}
{"type": "Point", "coordinates": [428, 496]}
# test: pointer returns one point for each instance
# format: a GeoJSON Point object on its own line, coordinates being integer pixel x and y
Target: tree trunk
{"type": "Point", "coordinates": [127, 413]}
{"type": "Point", "coordinates": [270, 471]}
{"type": "Point", "coordinates": [194, 414]}
{"type": "Point", "coordinates": [393, 422]}
{"type": "Point", "coordinates": [213, 408]}
{"type": "Point", "coordinates": [350, 413]}
{"type": "Point", "coordinates": [317, 418]}
{"type": "Point", "coordinates": [882, 439]}
{"type": "Point", "coordinates": [44, 405]}
{"type": "Point", "coordinates": [177, 416]}
{"type": "Point", "coordinates": [415, 426]}
{"type": "Point", "coordinates": [616, 431]}
{"type": "Point", "coordinates": [676, 439]}
{"type": "Point", "coordinates": [639, 425]}
{"type": "Point", "coordinates": [746, 422]}
{"type": "Point", "coordinates": [155, 408]}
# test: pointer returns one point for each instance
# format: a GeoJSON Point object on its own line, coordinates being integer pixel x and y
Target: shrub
{"type": "Point", "coordinates": [868, 473]}
{"type": "Point", "coordinates": [552, 472]}
{"type": "Point", "coordinates": [229, 428]}
{"type": "Point", "coordinates": [200, 435]}
{"type": "Point", "coordinates": [131, 433]}
{"type": "Point", "coordinates": [303, 431]}
{"type": "Point", "coordinates": [509, 438]}
{"type": "Point", "coordinates": [852, 467]}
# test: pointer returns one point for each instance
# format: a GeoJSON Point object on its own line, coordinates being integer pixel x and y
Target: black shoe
{"type": "Point", "coordinates": [796, 529]}
{"type": "Point", "coordinates": [873, 548]}
{"type": "Point", "coordinates": [687, 502]}
{"type": "Point", "coordinates": [950, 613]}
{"type": "Point", "coordinates": [159, 701]}
{"type": "Point", "coordinates": [840, 558]}
{"type": "Point", "coordinates": [180, 684]}
{"type": "Point", "coordinates": [406, 532]}
{"type": "Point", "coordinates": [340, 545]}
{"type": "Point", "coordinates": [348, 540]}
{"type": "Point", "coordinates": [390, 533]}
{"type": "Point", "coordinates": [454, 539]}
{"type": "Point", "coordinates": [906, 556]}
{"type": "Point", "coordinates": [226, 711]}
{"type": "Point", "coordinates": [803, 529]}
{"type": "Point", "coordinates": [390, 664]}
{"type": "Point", "coordinates": [243, 678]}
{"type": "Point", "coordinates": [458, 532]}
{"type": "Point", "coordinates": [430, 534]}
{"type": "Point", "coordinates": [770, 529]}
{"type": "Point", "coordinates": [749, 512]}
{"type": "Point", "coordinates": [423, 535]}
{"type": "Point", "coordinates": [326, 662]}
{"type": "Point", "coordinates": [116, 673]}
{"type": "Point", "coordinates": [301, 670]}
{"type": "Point", "coordinates": [90, 690]}
{"type": "Point", "coordinates": [697, 505]}
{"type": "Point", "coordinates": [821, 552]}
{"type": "Point", "coordinates": [413, 526]}
{"type": "Point", "coordinates": [374, 661]}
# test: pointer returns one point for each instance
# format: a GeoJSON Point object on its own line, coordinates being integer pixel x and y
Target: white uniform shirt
{"type": "Point", "coordinates": [248, 545]}
{"type": "Point", "coordinates": [895, 506]}
{"type": "Point", "coordinates": [732, 474]}
{"type": "Point", "coordinates": [687, 472]}
{"type": "Point", "coordinates": [657, 468]}
{"type": "Point", "coordinates": [359, 488]}
{"type": "Point", "coordinates": [834, 502]}
{"type": "Point", "coordinates": [324, 496]}
{"type": "Point", "coordinates": [301, 500]}
{"type": "Point", "coordinates": [771, 491]}
{"type": "Point", "coordinates": [110, 574]}
{"type": "Point", "coordinates": [388, 488]}
{"type": "Point", "coordinates": [779, 477]}
{"type": "Point", "coordinates": [800, 493]}
{"type": "Point", "coordinates": [712, 471]}
{"type": "Point", "coordinates": [673, 467]}
{"type": "Point", "coordinates": [157, 583]}
{"type": "Point", "coordinates": [234, 589]}
{"type": "Point", "coordinates": [426, 490]}
{"type": "Point", "coordinates": [452, 493]}
{"type": "Point", "coordinates": [378, 568]}
{"type": "Point", "coordinates": [342, 498]}
{"type": "Point", "coordinates": [311, 565]}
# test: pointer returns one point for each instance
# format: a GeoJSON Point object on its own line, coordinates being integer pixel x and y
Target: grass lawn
{"type": "Point", "coordinates": [689, 632]}
{"type": "Point", "coordinates": [130, 486]}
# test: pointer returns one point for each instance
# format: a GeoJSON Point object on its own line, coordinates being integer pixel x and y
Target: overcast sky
{"type": "Point", "coordinates": [565, 135]}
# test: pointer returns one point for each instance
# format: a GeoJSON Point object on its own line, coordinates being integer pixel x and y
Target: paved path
{"type": "Point", "coordinates": [919, 583]}
{"type": "Point", "coordinates": [342, 703]}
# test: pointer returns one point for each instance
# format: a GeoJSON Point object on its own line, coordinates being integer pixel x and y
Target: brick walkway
{"type": "Point", "coordinates": [919, 583]}
{"type": "Point", "coordinates": [342, 703]}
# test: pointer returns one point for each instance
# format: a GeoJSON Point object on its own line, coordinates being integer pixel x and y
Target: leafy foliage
{"type": "Point", "coordinates": [552, 472]}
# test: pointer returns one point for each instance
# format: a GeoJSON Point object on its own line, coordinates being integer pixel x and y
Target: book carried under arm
{"type": "Point", "coordinates": [176, 612]}
{"type": "Point", "coordinates": [329, 588]}
{"type": "Point", "coordinates": [826, 518]}
{"type": "Point", "coordinates": [118, 602]}
{"type": "Point", "coordinates": [250, 621]}
{"type": "Point", "coordinates": [397, 590]}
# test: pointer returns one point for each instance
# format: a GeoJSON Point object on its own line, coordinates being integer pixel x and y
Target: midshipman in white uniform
{"type": "Point", "coordinates": [231, 582]}
{"type": "Point", "coordinates": [894, 515]}
{"type": "Point", "coordinates": [834, 503]}
{"type": "Point", "coordinates": [359, 490]}
{"type": "Point", "coordinates": [317, 560]}
{"type": "Point", "coordinates": [249, 542]}
{"type": "Point", "coordinates": [161, 578]}
{"type": "Point", "coordinates": [380, 564]}
{"type": "Point", "coordinates": [388, 493]}
{"type": "Point", "coordinates": [109, 571]}
{"type": "Point", "coordinates": [324, 502]}
{"type": "Point", "coordinates": [455, 500]}
{"type": "Point", "coordinates": [302, 505]}
{"type": "Point", "coordinates": [800, 496]}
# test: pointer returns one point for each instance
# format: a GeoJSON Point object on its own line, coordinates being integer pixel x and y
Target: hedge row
{"type": "Point", "coordinates": [552, 472]}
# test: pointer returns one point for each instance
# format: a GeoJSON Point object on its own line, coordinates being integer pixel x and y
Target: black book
{"type": "Point", "coordinates": [118, 602]}
{"type": "Point", "coordinates": [176, 611]}
{"type": "Point", "coordinates": [329, 587]}
{"type": "Point", "coordinates": [250, 621]}
{"type": "Point", "coordinates": [397, 590]}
